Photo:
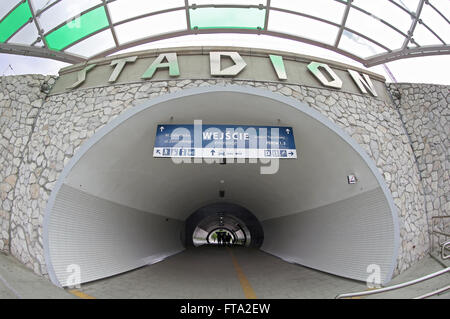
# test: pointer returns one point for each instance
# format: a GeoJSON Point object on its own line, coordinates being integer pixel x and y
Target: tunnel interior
{"type": "Point", "coordinates": [245, 229]}
{"type": "Point", "coordinates": [116, 208]}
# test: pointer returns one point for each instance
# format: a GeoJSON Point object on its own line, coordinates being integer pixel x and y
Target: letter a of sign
{"type": "Point", "coordinates": [363, 82]}
{"type": "Point", "coordinates": [215, 63]}
{"type": "Point", "coordinates": [172, 64]}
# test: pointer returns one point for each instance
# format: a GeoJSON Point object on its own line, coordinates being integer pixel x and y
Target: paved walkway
{"type": "Point", "coordinates": [213, 272]}
{"type": "Point", "coordinates": [424, 267]}
{"type": "Point", "coordinates": [17, 281]}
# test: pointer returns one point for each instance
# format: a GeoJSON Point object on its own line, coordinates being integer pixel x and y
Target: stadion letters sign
{"type": "Point", "coordinates": [323, 73]}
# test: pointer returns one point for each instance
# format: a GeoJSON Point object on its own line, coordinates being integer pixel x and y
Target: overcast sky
{"type": "Point", "coordinates": [431, 69]}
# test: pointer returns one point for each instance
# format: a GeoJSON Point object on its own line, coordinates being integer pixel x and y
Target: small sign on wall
{"type": "Point", "coordinates": [351, 179]}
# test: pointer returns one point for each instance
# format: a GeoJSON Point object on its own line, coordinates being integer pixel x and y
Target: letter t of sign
{"type": "Point", "coordinates": [120, 64]}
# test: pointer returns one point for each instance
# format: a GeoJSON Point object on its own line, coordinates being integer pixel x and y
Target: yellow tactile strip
{"type": "Point", "coordinates": [245, 284]}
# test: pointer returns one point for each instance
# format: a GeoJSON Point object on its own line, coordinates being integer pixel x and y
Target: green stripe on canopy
{"type": "Point", "coordinates": [227, 18]}
{"type": "Point", "coordinates": [14, 21]}
{"type": "Point", "coordinates": [77, 29]}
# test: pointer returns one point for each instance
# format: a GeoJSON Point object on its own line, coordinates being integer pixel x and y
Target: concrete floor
{"type": "Point", "coordinates": [424, 267]}
{"type": "Point", "coordinates": [17, 281]}
{"type": "Point", "coordinates": [209, 272]}
{"type": "Point", "coordinates": [213, 272]}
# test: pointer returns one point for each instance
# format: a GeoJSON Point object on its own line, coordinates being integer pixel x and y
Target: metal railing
{"type": "Point", "coordinates": [405, 284]}
{"type": "Point", "coordinates": [436, 292]}
{"type": "Point", "coordinates": [439, 231]}
{"type": "Point", "coordinates": [444, 248]}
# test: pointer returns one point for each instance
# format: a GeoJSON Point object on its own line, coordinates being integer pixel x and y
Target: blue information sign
{"type": "Point", "coordinates": [224, 141]}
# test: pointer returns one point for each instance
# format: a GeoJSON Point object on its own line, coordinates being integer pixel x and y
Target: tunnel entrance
{"type": "Point", "coordinates": [237, 220]}
{"type": "Point", "coordinates": [115, 207]}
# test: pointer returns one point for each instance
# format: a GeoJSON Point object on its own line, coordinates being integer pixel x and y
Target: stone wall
{"type": "Point", "coordinates": [20, 102]}
{"type": "Point", "coordinates": [66, 120]}
{"type": "Point", "coordinates": [425, 112]}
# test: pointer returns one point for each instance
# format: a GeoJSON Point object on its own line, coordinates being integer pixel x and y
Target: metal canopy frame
{"type": "Point", "coordinates": [410, 47]}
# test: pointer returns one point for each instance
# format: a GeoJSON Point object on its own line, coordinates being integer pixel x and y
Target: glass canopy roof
{"type": "Point", "coordinates": [370, 32]}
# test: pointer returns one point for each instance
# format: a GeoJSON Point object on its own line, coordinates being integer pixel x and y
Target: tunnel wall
{"type": "Point", "coordinates": [349, 234]}
{"type": "Point", "coordinates": [104, 238]}
{"type": "Point", "coordinates": [66, 120]}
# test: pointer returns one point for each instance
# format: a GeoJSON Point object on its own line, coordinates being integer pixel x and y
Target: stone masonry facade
{"type": "Point", "coordinates": [21, 100]}
{"type": "Point", "coordinates": [40, 134]}
{"type": "Point", "coordinates": [425, 112]}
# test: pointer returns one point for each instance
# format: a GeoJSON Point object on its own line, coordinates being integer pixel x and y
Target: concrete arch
{"type": "Point", "coordinates": [388, 231]}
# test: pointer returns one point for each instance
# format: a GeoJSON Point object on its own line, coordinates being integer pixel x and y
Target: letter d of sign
{"type": "Point", "coordinates": [336, 82]}
{"type": "Point", "coordinates": [215, 59]}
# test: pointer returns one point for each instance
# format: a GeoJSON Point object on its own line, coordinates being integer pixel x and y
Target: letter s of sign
{"type": "Point", "coordinates": [81, 76]}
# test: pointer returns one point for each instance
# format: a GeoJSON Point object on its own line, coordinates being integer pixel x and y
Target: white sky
{"type": "Point", "coordinates": [432, 69]}
{"type": "Point", "coordinates": [417, 70]}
